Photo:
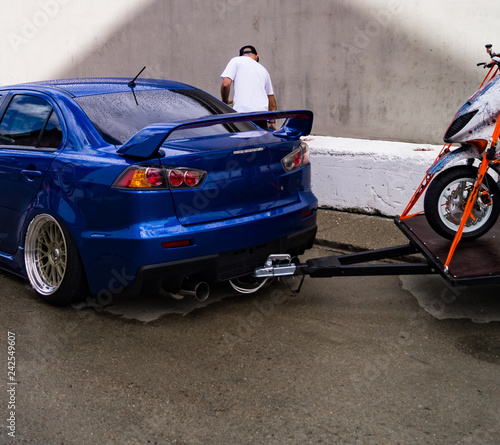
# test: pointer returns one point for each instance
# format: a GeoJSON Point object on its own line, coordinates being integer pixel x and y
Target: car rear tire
{"type": "Point", "coordinates": [52, 262]}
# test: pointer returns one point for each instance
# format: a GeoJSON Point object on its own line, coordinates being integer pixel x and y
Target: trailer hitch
{"type": "Point", "coordinates": [277, 265]}
{"type": "Point", "coordinates": [281, 265]}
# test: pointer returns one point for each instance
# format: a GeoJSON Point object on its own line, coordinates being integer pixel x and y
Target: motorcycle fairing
{"type": "Point", "coordinates": [483, 106]}
{"type": "Point", "coordinates": [462, 153]}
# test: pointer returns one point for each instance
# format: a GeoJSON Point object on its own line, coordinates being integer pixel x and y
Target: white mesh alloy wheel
{"type": "Point", "coordinates": [46, 254]}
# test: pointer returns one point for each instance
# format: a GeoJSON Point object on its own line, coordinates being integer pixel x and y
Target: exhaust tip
{"type": "Point", "coordinates": [198, 290]}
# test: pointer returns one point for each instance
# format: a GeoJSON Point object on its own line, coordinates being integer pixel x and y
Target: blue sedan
{"type": "Point", "coordinates": [111, 186]}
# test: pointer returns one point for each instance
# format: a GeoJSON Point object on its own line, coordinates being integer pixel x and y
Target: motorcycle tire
{"type": "Point", "coordinates": [447, 196]}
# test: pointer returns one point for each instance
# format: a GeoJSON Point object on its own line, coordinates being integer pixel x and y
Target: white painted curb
{"type": "Point", "coordinates": [367, 176]}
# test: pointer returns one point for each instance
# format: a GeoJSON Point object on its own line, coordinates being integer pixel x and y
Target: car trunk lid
{"type": "Point", "coordinates": [244, 176]}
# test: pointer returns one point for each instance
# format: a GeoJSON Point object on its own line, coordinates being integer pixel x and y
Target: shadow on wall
{"type": "Point", "coordinates": [347, 63]}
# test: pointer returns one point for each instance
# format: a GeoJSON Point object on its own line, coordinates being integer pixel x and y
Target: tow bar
{"type": "Point", "coordinates": [353, 264]}
{"type": "Point", "coordinates": [474, 263]}
{"type": "Point", "coordinates": [345, 265]}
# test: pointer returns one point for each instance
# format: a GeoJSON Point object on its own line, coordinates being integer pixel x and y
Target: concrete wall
{"type": "Point", "coordinates": [372, 69]}
{"type": "Point", "coordinates": [364, 176]}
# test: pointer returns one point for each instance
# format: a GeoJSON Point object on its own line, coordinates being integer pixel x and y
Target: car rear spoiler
{"type": "Point", "coordinates": [147, 142]}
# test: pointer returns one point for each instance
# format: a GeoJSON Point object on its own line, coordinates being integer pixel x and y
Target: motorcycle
{"type": "Point", "coordinates": [462, 198]}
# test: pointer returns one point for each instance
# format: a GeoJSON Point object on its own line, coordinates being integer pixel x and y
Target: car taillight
{"type": "Point", "coordinates": [141, 177]}
{"type": "Point", "coordinates": [176, 177]}
{"type": "Point", "coordinates": [186, 178]}
{"type": "Point", "coordinates": [158, 177]}
{"type": "Point", "coordinates": [192, 178]}
{"type": "Point", "coordinates": [297, 158]}
{"type": "Point", "coordinates": [154, 176]}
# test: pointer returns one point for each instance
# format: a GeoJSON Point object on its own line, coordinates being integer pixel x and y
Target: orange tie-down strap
{"type": "Point", "coordinates": [421, 189]}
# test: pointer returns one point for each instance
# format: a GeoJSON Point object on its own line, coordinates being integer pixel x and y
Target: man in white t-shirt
{"type": "Point", "coordinates": [253, 90]}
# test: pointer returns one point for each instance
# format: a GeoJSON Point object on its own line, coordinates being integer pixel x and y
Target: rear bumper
{"type": "Point", "coordinates": [134, 258]}
{"type": "Point", "coordinates": [218, 267]}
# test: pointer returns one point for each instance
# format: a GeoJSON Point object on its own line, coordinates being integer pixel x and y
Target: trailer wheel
{"type": "Point", "coordinates": [447, 196]}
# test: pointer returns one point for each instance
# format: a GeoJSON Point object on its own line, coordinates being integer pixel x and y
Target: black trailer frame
{"type": "Point", "coordinates": [474, 262]}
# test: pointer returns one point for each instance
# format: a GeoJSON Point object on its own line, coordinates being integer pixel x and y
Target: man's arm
{"type": "Point", "coordinates": [225, 89]}
{"type": "Point", "coordinates": [272, 107]}
{"type": "Point", "coordinates": [272, 102]}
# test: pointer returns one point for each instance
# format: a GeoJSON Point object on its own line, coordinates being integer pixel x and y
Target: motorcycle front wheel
{"type": "Point", "coordinates": [447, 196]}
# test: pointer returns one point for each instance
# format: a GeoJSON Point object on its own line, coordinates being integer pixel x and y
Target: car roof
{"type": "Point", "coordinates": [80, 87]}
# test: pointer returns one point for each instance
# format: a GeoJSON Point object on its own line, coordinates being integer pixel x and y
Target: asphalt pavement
{"type": "Point", "coordinates": [355, 231]}
{"type": "Point", "coordinates": [349, 360]}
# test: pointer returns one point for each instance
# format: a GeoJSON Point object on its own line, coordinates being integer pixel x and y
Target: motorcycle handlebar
{"type": "Point", "coordinates": [495, 59]}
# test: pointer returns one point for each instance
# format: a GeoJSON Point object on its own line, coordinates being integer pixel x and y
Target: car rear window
{"type": "Point", "coordinates": [118, 116]}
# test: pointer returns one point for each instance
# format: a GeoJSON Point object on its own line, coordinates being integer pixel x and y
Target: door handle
{"type": "Point", "coordinates": [31, 174]}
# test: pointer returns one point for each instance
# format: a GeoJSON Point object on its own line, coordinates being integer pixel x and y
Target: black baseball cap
{"type": "Point", "coordinates": [248, 49]}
